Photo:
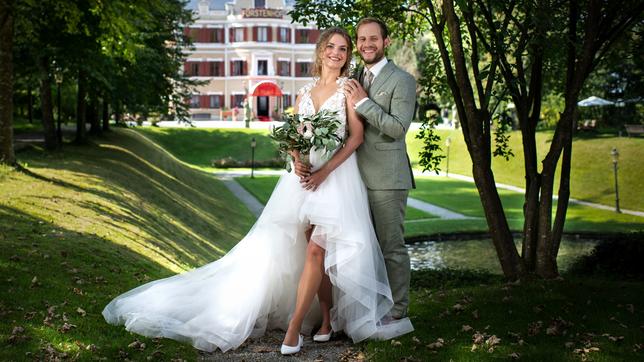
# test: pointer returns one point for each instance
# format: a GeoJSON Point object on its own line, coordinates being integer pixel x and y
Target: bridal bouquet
{"type": "Point", "coordinates": [303, 133]}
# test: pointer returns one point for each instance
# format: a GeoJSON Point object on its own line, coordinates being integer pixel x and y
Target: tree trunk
{"type": "Point", "coordinates": [49, 129]}
{"type": "Point", "coordinates": [106, 115]}
{"type": "Point", "coordinates": [6, 82]}
{"type": "Point", "coordinates": [30, 105]}
{"type": "Point", "coordinates": [81, 106]}
{"type": "Point", "coordinates": [117, 113]}
{"type": "Point", "coordinates": [95, 123]}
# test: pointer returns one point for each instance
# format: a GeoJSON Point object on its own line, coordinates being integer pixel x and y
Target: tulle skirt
{"type": "Point", "coordinates": [253, 287]}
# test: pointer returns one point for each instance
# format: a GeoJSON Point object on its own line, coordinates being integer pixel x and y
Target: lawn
{"type": "Point", "coordinates": [591, 172]}
{"type": "Point", "coordinates": [86, 224]}
{"type": "Point", "coordinates": [462, 197]}
{"type": "Point", "coordinates": [465, 316]}
{"type": "Point", "coordinates": [262, 186]}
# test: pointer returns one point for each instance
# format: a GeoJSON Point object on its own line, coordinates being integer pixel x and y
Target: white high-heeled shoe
{"type": "Point", "coordinates": [286, 350]}
{"type": "Point", "coordinates": [322, 337]}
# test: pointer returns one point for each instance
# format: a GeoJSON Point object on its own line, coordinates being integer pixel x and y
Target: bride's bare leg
{"type": "Point", "coordinates": [308, 287]}
{"type": "Point", "coordinates": [326, 302]}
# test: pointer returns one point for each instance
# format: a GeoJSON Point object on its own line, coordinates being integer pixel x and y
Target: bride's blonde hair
{"type": "Point", "coordinates": [321, 44]}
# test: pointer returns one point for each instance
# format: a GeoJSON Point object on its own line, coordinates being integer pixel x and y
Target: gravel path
{"type": "Point", "coordinates": [267, 348]}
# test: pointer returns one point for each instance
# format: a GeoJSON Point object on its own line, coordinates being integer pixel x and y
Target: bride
{"type": "Point", "coordinates": [313, 237]}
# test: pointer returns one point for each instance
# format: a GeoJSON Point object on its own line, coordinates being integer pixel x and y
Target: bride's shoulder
{"type": "Point", "coordinates": [307, 87]}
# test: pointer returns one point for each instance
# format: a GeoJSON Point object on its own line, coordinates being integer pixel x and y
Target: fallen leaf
{"type": "Point", "coordinates": [466, 328]}
{"type": "Point", "coordinates": [475, 314]}
{"type": "Point", "coordinates": [514, 355]}
{"type": "Point", "coordinates": [66, 327]}
{"type": "Point", "coordinates": [395, 343]}
{"type": "Point", "coordinates": [81, 311]}
{"type": "Point", "coordinates": [458, 307]}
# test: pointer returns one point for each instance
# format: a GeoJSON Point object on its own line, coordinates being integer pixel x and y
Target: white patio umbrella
{"type": "Point", "coordinates": [594, 101]}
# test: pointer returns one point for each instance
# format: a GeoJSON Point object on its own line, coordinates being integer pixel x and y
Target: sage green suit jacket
{"type": "Point", "coordinates": [382, 158]}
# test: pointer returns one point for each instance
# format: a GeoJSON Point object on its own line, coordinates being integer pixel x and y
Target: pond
{"type": "Point", "coordinates": [480, 254]}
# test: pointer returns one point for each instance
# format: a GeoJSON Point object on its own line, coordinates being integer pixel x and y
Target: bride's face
{"type": "Point", "coordinates": [335, 53]}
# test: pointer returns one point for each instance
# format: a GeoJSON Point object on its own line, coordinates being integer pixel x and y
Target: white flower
{"type": "Point", "coordinates": [308, 134]}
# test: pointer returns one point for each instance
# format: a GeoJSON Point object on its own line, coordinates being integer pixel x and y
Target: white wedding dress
{"type": "Point", "coordinates": [253, 287]}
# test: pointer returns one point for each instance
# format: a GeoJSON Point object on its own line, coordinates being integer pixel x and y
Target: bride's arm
{"type": "Point", "coordinates": [355, 139]}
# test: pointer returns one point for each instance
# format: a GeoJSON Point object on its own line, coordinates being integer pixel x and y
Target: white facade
{"type": "Point", "coordinates": [241, 45]}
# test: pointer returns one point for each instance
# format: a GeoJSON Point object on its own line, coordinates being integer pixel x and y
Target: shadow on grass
{"type": "Point", "coordinates": [48, 273]}
{"type": "Point", "coordinates": [171, 207]}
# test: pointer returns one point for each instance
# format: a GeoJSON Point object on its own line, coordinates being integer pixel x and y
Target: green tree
{"type": "Point", "coordinates": [494, 50]}
{"type": "Point", "coordinates": [6, 82]}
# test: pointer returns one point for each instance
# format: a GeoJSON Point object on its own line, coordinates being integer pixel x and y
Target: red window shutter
{"type": "Point", "coordinates": [245, 71]}
{"type": "Point", "coordinates": [203, 101]}
{"type": "Point", "coordinates": [288, 36]}
{"type": "Point", "coordinates": [313, 36]}
{"type": "Point", "coordinates": [221, 101]}
{"type": "Point", "coordinates": [203, 68]}
{"type": "Point", "coordinates": [254, 33]}
{"type": "Point", "coordinates": [221, 69]}
{"type": "Point", "coordinates": [186, 31]}
{"type": "Point", "coordinates": [246, 35]}
{"type": "Point", "coordinates": [232, 101]}
{"type": "Point", "coordinates": [270, 34]}
{"type": "Point", "coordinates": [186, 68]}
{"type": "Point", "coordinates": [297, 69]}
{"type": "Point", "coordinates": [231, 68]}
{"type": "Point", "coordinates": [231, 35]}
{"type": "Point", "coordinates": [221, 35]}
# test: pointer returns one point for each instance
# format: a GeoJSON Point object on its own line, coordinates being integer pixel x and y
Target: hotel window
{"type": "Point", "coordinates": [215, 101]}
{"type": "Point", "coordinates": [286, 100]}
{"type": "Point", "coordinates": [302, 36]}
{"type": "Point", "coordinates": [303, 69]}
{"type": "Point", "coordinates": [284, 68]}
{"type": "Point", "coordinates": [238, 34]}
{"type": "Point", "coordinates": [260, 4]}
{"type": "Point", "coordinates": [238, 67]}
{"type": "Point", "coordinates": [238, 100]}
{"type": "Point", "coordinates": [262, 34]}
{"type": "Point", "coordinates": [194, 69]}
{"type": "Point", "coordinates": [216, 36]}
{"type": "Point", "coordinates": [194, 101]}
{"type": "Point", "coordinates": [262, 67]}
{"type": "Point", "coordinates": [216, 69]}
{"type": "Point", "coordinates": [284, 35]}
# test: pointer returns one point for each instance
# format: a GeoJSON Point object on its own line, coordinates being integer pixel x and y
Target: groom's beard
{"type": "Point", "coordinates": [376, 58]}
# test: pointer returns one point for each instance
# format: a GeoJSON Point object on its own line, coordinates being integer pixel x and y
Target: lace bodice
{"type": "Point", "coordinates": [335, 102]}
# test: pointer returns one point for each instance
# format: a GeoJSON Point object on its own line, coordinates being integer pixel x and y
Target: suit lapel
{"type": "Point", "coordinates": [382, 77]}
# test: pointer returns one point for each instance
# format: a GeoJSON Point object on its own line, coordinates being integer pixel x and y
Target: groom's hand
{"type": "Point", "coordinates": [354, 92]}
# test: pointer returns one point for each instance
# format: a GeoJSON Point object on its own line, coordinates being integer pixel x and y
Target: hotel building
{"type": "Point", "coordinates": [247, 49]}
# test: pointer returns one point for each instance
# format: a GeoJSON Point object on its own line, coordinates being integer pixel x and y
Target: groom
{"type": "Point", "coordinates": [385, 96]}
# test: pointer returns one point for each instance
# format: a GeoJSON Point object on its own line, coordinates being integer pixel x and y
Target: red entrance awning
{"type": "Point", "coordinates": [267, 89]}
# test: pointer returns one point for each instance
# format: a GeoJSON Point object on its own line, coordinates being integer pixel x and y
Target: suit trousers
{"type": "Point", "coordinates": [388, 213]}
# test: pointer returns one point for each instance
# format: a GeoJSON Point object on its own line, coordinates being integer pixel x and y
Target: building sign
{"type": "Point", "coordinates": [262, 13]}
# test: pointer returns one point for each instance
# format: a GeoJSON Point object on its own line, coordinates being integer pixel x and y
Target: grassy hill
{"type": "Point", "coordinates": [86, 224]}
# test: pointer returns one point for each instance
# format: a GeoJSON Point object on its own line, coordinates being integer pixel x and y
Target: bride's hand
{"type": "Point", "coordinates": [302, 170]}
{"type": "Point", "coordinates": [314, 181]}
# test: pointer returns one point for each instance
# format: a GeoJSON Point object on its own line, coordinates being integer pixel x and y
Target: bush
{"type": "Point", "coordinates": [622, 256]}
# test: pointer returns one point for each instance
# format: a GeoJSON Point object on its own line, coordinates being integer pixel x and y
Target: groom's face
{"type": "Point", "coordinates": [370, 43]}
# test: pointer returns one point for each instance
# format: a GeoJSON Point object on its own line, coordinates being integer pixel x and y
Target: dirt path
{"type": "Point", "coordinates": [267, 348]}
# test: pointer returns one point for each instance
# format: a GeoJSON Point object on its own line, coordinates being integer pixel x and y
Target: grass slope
{"type": "Point", "coordinates": [84, 225]}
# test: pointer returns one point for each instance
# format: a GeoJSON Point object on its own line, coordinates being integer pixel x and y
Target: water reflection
{"type": "Point", "coordinates": [480, 254]}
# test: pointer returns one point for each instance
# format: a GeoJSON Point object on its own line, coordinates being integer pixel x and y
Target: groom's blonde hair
{"type": "Point", "coordinates": [321, 44]}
